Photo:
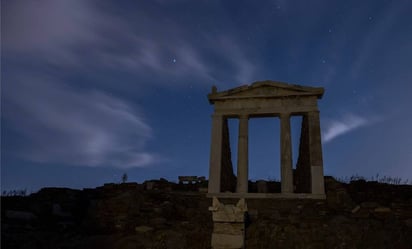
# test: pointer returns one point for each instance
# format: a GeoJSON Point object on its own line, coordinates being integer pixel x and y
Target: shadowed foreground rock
{"type": "Point", "coordinates": [167, 215]}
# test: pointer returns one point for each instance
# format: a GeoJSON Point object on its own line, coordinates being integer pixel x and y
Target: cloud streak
{"type": "Point", "coordinates": [348, 123]}
{"type": "Point", "coordinates": [64, 126]}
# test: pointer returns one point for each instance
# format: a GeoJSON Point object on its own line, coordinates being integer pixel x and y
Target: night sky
{"type": "Point", "coordinates": [94, 89]}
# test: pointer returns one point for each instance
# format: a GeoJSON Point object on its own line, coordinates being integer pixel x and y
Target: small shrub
{"type": "Point", "coordinates": [124, 178]}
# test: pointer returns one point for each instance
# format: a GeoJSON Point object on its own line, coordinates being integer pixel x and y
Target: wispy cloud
{"type": "Point", "coordinates": [64, 126]}
{"type": "Point", "coordinates": [48, 29]}
{"type": "Point", "coordinates": [65, 122]}
{"type": "Point", "coordinates": [348, 123]}
{"type": "Point", "coordinates": [82, 34]}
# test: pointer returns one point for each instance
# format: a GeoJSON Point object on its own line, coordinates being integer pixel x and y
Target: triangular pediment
{"type": "Point", "coordinates": [265, 89]}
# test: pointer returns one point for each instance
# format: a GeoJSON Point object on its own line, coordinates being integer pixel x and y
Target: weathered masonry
{"type": "Point", "coordinates": [267, 99]}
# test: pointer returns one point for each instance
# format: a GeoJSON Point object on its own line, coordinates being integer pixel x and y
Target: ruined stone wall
{"type": "Point", "coordinates": [227, 178]}
{"type": "Point", "coordinates": [359, 215]}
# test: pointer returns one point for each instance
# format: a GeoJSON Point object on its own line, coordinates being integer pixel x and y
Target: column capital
{"type": "Point", "coordinates": [285, 115]}
{"type": "Point", "coordinates": [217, 115]}
{"type": "Point", "coordinates": [313, 112]}
{"type": "Point", "coordinates": [243, 116]}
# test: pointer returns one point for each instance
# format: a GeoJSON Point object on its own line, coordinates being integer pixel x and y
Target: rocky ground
{"type": "Point", "coordinates": [160, 214]}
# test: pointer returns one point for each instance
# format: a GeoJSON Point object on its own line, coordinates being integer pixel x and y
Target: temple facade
{"type": "Point", "coordinates": [267, 99]}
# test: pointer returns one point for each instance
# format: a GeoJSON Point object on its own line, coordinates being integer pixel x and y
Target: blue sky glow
{"type": "Point", "coordinates": [93, 89]}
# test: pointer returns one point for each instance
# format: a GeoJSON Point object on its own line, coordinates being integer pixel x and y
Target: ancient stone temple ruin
{"type": "Point", "coordinates": [267, 99]}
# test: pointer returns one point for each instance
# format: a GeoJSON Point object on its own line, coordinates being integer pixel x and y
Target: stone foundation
{"type": "Point", "coordinates": [228, 225]}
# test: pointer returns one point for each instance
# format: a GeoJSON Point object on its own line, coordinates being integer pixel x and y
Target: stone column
{"type": "Point", "coordinates": [315, 151]}
{"type": "Point", "coordinates": [215, 154]}
{"type": "Point", "coordinates": [242, 156]}
{"type": "Point", "coordinates": [286, 154]}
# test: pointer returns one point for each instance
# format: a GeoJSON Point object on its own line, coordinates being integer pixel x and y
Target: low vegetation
{"type": "Point", "coordinates": [21, 192]}
{"type": "Point", "coordinates": [377, 178]}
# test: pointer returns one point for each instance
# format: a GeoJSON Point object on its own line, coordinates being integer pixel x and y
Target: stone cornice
{"type": "Point", "coordinates": [265, 89]}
